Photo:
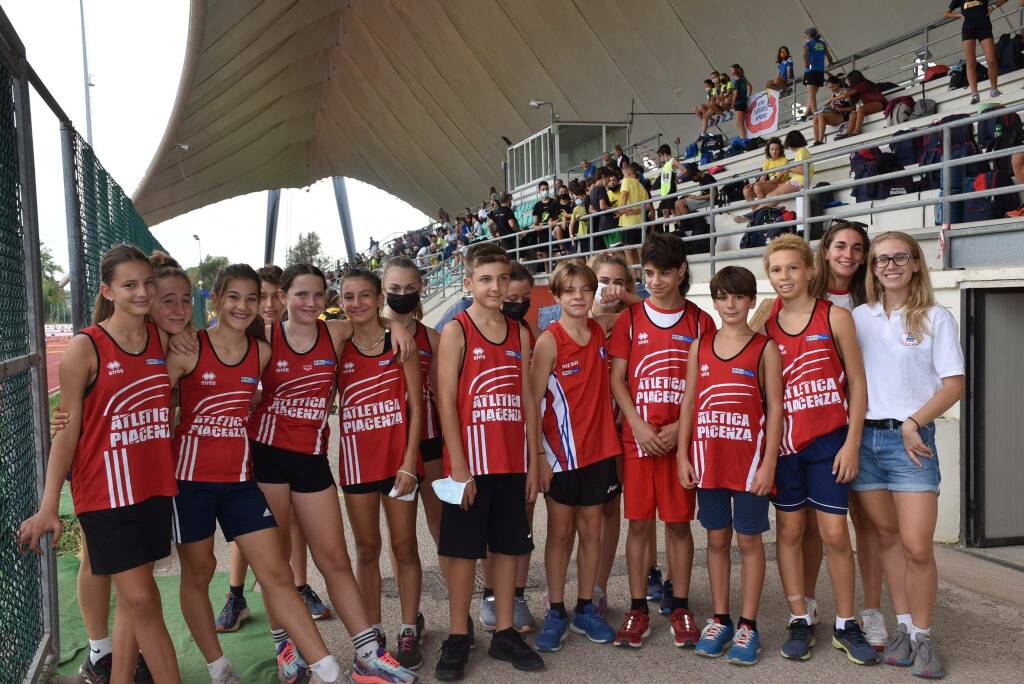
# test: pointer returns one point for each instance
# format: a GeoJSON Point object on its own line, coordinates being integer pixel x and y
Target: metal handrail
{"type": "Point", "coordinates": [712, 211]}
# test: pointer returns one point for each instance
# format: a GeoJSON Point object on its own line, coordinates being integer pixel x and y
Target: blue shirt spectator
{"type": "Point", "coordinates": [589, 170]}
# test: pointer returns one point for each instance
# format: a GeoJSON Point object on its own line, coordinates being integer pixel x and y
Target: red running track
{"type": "Point", "coordinates": [55, 348]}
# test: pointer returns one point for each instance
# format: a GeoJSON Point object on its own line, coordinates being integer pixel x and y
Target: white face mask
{"type": "Point", "coordinates": [449, 490]}
{"type": "Point", "coordinates": [408, 497]}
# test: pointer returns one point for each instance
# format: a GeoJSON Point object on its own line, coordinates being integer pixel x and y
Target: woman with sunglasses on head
{"type": "Point", "coordinates": [915, 373]}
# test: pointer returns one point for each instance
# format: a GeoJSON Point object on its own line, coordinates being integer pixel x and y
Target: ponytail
{"type": "Point", "coordinates": [103, 308]}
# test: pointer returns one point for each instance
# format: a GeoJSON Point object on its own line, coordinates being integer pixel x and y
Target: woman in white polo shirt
{"type": "Point", "coordinates": [915, 373]}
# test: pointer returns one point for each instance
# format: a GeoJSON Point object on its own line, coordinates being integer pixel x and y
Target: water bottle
{"type": "Point", "coordinates": [999, 131]}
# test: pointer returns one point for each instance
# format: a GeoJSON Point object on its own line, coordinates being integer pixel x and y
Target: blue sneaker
{"type": "Point", "coordinates": [655, 589]}
{"type": "Point", "coordinates": [592, 624]}
{"type": "Point", "coordinates": [555, 629]}
{"type": "Point", "coordinates": [380, 668]}
{"type": "Point", "coordinates": [713, 639]}
{"type": "Point", "coordinates": [291, 667]}
{"type": "Point", "coordinates": [800, 642]}
{"type": "Point", "coordinates": [746, 647]}
{"type": "Point", "coordinates": [851, 639]}
{"type": "Point", "coordinates": [666, 598]}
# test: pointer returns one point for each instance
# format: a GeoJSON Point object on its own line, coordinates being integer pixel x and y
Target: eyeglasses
{"type": "Point", "coordinates": [900, 259]}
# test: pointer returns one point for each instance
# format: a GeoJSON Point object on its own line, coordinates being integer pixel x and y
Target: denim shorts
{"type": "Point", "coordinates": [884, 463]}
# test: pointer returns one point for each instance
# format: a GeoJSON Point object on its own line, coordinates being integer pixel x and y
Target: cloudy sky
{"type": "Point", "coordinates": [135, 55]}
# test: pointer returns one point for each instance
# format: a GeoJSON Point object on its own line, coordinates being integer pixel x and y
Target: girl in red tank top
{"type": "Point", "coordinates": [402, 285]}
{"type": "Point", "coordinates": [216, 385]}
{"type": "Point", "coordinates": [380, 402]}
{"type": "Point", "coordinates": [115, 390]}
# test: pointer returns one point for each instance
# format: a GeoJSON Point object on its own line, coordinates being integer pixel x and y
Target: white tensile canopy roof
{"type": "Point", "coordinates": [414, 96]}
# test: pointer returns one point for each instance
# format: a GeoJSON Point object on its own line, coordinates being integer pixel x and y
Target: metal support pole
{"type": "Point", "coordinates": [947, 189]}
{"type": "Point", "coordinates": [85, 77]}
{"type": "Point", "coordinates": [341, 197]}
{"type": "Point", "coordinates": [72, 212]}
{"type": "Point", "coordinates": [713, 212]}
{"type": "Point", "coordinates": [802, 201]}
{"type": "Point", "coordinates": [273, 206]}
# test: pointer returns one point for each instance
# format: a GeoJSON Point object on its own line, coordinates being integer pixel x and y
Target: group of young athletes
{"type": "Point", "coordinates": [798, 406]}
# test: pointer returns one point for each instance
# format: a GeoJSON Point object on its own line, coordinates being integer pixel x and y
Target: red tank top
{"type": "Point", "coordinates": [373, 415]}
{"type": "Point", "coordinates": [728, 427]}
{"type": "Point", "coordinates": [292, 414]}
{"type": "Point", "coordinates": [431, 421]}
{"type": "Point", "coordinates": [656, 362]}
{"type": "Point", "coordinates": [210, 440]}
{"type": "Point", "coordinates": [812, 370]}
{"type": "Point", "coordinates": [576, 413]}
{"type": "Point", "coordinates": [123, 456]}
{"type": "Point", "coordinates": [490, 400]}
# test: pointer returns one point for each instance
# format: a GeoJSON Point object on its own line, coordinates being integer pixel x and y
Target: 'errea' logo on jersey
{"type": "Point", "coordinates": [744, 371]}
{"type": "Point", "coordinates": [208, 379]}
{"type": "Point", "coordinates": [705, 370]}
{"type": "Point", "coordinates": [348, 367]}
{"type": "Point", "coordinates": [682, 338]}
{"type": "Point", "coordinates": [323, 362]}
{"type": "Point", "coordinates": [478, 354]}
{"type": "Point", "coordinates": [246, 380]}
{"type": "Point", "coordinates": [642, 338]}
{"type": "Point", "coordinates": [513, 353]}
{"type": "Point", "coordinates": [155, 362]}
{"type": "Point", "coordinates": [282, 366]}
{"type": "Point", "coordinates": [114, 368]}
{"type": "Point", "coordinates": [816, 338]}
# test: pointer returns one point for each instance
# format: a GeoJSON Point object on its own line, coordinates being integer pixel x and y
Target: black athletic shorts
{"type": "Point", "coordinates": [631, 235]}
{"type": "Point", "coordinates": [496, 521]}
{"type": "Point", "coordinates": [669, 204]}
{"type": "Point", "coordinates": [593, 485]}
{"type": "Point", "coordinates": [431, 449]}
{"type": "Point", "coordinates": [239, 507]}
{"type": "Point", "coordinates": [120, 539]}
{"type": "Point", "coordinates": [383, 486]}
{"type": "Point", "coordinates": [303, 473]}
{"type": "Point", "coordinates": [814, 78]}
{"type": "Point", "coordinates": [740, 106]}
{"type": "Point", "coordinates": [976, 32]}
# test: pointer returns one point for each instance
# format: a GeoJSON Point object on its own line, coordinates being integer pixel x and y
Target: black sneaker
{"type": "Point", "coordinates": [451, 665]}
{"type": "Point", "coordinates": [512, 647]}
{"type": "Point", "coordinates": [800, 642]}
{"type": "Point", "coordinates": [142, 673]}
{"type": "Point", "coordinates": [421, 627]}
{"type": "Point", "coordinates": [852, 640]}
{"type": "Point", "coordinates": [98, 672]}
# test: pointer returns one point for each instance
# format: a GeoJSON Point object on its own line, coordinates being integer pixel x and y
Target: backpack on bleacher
{"type": "Point", "coordinates": [729, 193]}
{"type": "Point", "coordinates": [907, 151]}
{"type": "Point", "coordinates": [765, 217]}
{"type": "Point", "coordinates": [899, 110]}
{"type": "Point", "coordinates": [924, 107]}
{"type": "Point", "coordinates": [712, 148]}
{"type": "Point", "coordinates": [888, 162]}
{"type": "Point", "coordinates": [863, 164]}
{"type": "Point", "coordinates": [988, 208]}
{"type": "Point", "coordinates": [754, 144]}
{"type": "Point", "coordinates": [1008, 125]}
{"type": "Point", "coordinates": [691, 151]}
{"type": "Point", "coordinates": [958, 74]}
{"type": "Point", "coordinates": [935, 71]}
{"type": "Point", "coordinates": [697, 225]}
{"type": "Point", "coordinates": [963, 145]}
{"type": "Point", "coordinates": [1010, 53]}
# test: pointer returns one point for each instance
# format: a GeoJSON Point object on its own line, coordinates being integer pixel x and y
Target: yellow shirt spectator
{"type": "Point", "coordinates": [770, 164]}
{"type": "Point", "coordinates": [636, 193]}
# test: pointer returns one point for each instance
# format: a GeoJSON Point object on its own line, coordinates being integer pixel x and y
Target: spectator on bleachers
{"type": "Point", "coordinates": [784, 65]}
{"type": "Point", "coordinates": [867, 99]}
{"type": "Point", "coordinates": [579, 226]}
{"type": "Point", "coordinates": [669, 206]}
{"type": "Point", "coordinates": [587, 168]}
{"type": "Point", "coordinates": [795, 142]}
{"type": "Point", "coordinates": [816, 53]}
{"type": "Point", "coordinates": [493, 194]}
{"type": "Point", "coordinates": [740, 97]}
{"type": "Point", "coordinates": [630, 192]}
{"type": "Point", "coordinates": [837, 109]}
{"type": "Point", "coordinates": [561, 227]}
{"type": "Point", "coordinates": [608, 162]}
{"type": "Point", "coordinates": [442, 216]}
{"type": "Point", "coordinates": [557, 190]}
{"type": "Point", "coordinates": [600, 201]}
{"type": "Point", "coordinates": [710, 89]}
{"type": "Point", "coordinates": [620, 158]}
{"type": "Point", "coordinates": [977, 27]}
{"type": "Point", "coordinates": [724, 97]}
{"type": "Point", "coordinates": [545, 213]}
{"type": "Point", "coordinates": [712, 108]}
{"type": "Point", "coordinates": [697, 200]}
{"type": "Point", "coordinates": [774, 157]}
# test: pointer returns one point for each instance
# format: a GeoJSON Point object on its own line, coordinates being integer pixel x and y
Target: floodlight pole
{"type": "Point", "coordinates": [273, 205]}
{"type": "Point", "coordinates": [85, 77]}
{"type": "Point", "coordinates": [341, 197]}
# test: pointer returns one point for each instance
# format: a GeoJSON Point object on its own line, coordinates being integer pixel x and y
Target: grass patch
{"type": "Point", "coordinates": [70, 543]}
{"type": "Point", "coordinates": [54, 401]}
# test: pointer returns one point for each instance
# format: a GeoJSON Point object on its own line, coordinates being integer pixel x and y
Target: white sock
{"type": "Point", "coordinates": [405, 627]}
{"type": "Point", "coordinates": [841, 622]}
{"type": "Point", "coordinates": [793, 618]}
{"type": "Point", "coordinates": [379, 627]}
{"type": "Point", "coordinates": [218, 667]}
{"type": "Point", "coordinates": [326, 669]}
{"type": "Point", "coordinates": [915, 631]}
{"type": "Point", "coordinates": [365, 643]}
{"type": "Point", "coordinates": [98, 649]}
{"type": "Point", "coordinates": [904, 619]}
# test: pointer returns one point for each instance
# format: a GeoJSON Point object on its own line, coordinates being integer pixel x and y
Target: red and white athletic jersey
{"type": "Point", "coordinates": [123, 456]}
{"type": "Point", "coordinates": [490, 402]}
{"type": "Point", "coordinates": [210, 440]}
{"type": "Point", "coordinates": [815, 379]}
{"type": "Point", "coordinates": [727, 445]}
{"type": "Point", "coordinates": [431, 420]}
{"type": "Point", "coordinates": [656, 361]}
{"type": "Point", "coordinates": [292, 414]}
{"type": "Point", "coordinates": [576, 412]}
{"type": "Point", "coordinates": [373, 415]}
{"type": "Point", "coordinates": [841, 298]}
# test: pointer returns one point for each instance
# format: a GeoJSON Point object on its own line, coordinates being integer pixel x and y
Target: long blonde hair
{"type": "Point", "coordinates": [921, 296]}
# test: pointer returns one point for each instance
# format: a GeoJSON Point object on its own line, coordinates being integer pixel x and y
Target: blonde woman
{"type": "Point", "coordinates": [915, 373]}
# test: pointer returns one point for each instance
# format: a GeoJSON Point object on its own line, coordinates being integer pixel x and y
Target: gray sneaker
{"type": "Point", "coordinates": [487, 617]}
{"type": "Point", "coordinates": [927, 664]}
{"type": "Point", "coordinates": [898, 648]}
{"type": "Point", "coordinates": [229, 677]}
{"type": "Point", "coordinates": [522, 618]}
{"type": "Point", "coordinates": [874, 627]}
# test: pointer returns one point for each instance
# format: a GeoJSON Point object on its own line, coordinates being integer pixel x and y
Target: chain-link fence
{"type": "Point", "coordinates": [21, 593]}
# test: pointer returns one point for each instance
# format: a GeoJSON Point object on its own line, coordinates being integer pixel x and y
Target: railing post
{"type": "Point", "coordinates": [76, 251]}
{"type": "Point", "coordinates": [713, 209]}
{"type": "Point", "coordinates": [947, 188]}
{"type": "Point", "coordinates": [805, 206]}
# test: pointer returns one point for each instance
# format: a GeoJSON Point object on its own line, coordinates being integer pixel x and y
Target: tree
{"type": "Point", "coordinates": [308, 250]}
{"type": "Point", "coordinates": [53, 296]}
{"type": "Point", "coordinates": [206, 271]}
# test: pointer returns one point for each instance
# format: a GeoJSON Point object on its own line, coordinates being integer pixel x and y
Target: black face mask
{"type": "Point", "coordinates": [403, 303]}
{"type": "Point", "coordinates": [516, 310]}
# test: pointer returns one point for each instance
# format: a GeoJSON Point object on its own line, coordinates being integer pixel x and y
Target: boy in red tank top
{"type": "Point", "coordinates": [729, 434]}
{"type": "Point", "coordinates": [649, 348]}
{"type": "Point", "coordinates": [823, 374]}
{"type": "Point", "coordinates": [489, 426]}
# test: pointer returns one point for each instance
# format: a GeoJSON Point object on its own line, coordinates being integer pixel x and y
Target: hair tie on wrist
{"type": "Point", "coordinates": [406, 472]}
{"type": "Point", "coordinates": [911, 419]}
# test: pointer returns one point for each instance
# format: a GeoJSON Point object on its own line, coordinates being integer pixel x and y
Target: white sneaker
{"type": "Point", "coordinates": [874, 627]}
{"type": "Point", "coordinates": [229, 677]}
{"type": "Point", "coordinates": [994, 92]}
{"type": "Point", "coordinates": [812, 609]}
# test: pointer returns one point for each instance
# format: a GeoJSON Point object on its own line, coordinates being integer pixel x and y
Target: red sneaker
{"type": "Point", "coordinates": [684, 628]}
{"type": "Point", "coordinates": [634, 630]}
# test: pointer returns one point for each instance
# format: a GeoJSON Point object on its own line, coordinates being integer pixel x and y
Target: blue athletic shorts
{"type": "Point", "coordinates": [239, 507]}
{"type": "Point", "coordinates": [805, 478]}
{"type": "Point", "coordinates": [884, 463]}
{"type": "Point", "coordinates": [720, 508]}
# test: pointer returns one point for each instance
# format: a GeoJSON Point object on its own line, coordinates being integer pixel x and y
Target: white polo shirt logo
{"type": "Point", "coordinates": [908, 340]}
